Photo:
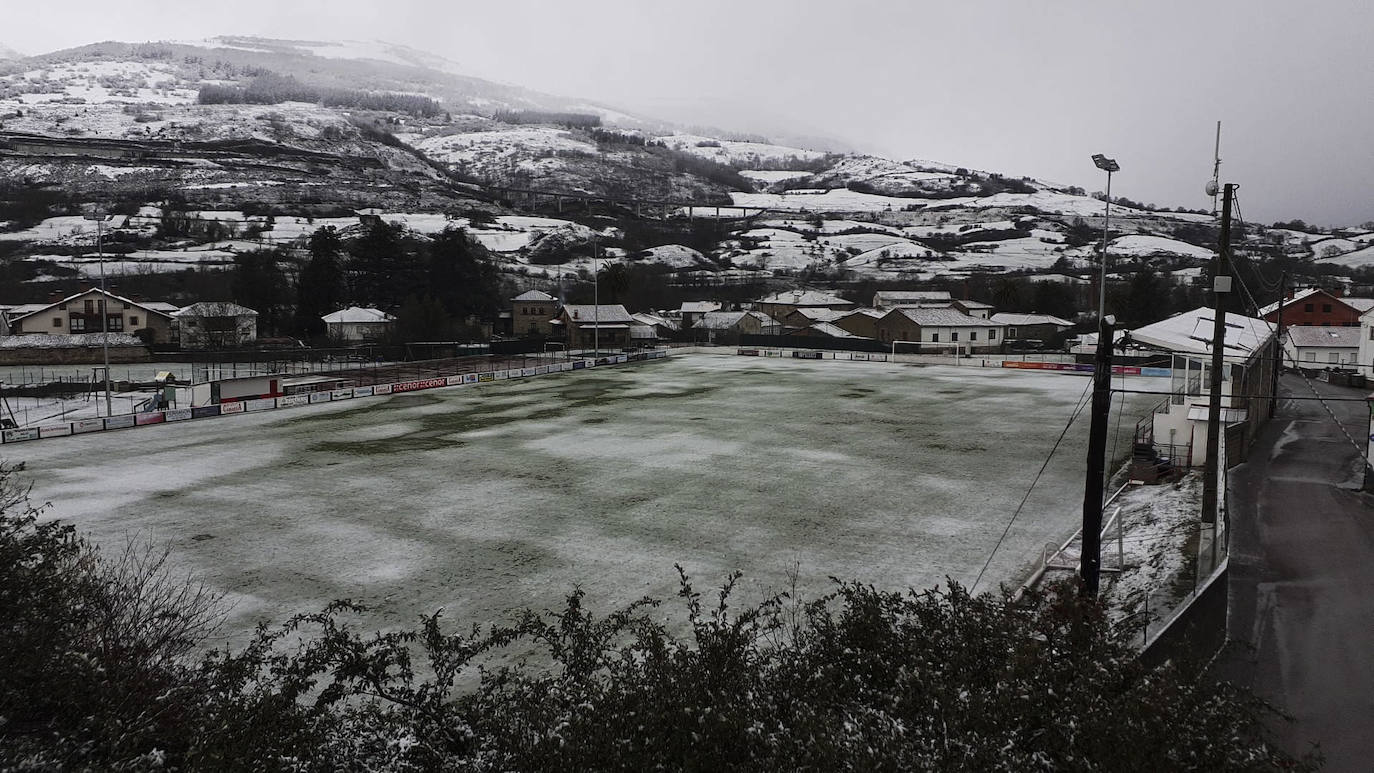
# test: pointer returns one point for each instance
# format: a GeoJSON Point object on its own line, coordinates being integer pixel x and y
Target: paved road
{"type": "Point", "coordinates": [1302, 577]}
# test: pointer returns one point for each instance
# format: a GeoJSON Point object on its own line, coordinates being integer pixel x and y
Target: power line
{"type": "Point", "coordinates": [1082, 402]}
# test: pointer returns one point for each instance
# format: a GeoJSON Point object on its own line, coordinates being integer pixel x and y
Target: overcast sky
{"type": "Point", "coordinates": [1023, 87]}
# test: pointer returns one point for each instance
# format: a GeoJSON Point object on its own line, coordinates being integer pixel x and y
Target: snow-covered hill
{"type": "Point", "coordinates": [404, 132]}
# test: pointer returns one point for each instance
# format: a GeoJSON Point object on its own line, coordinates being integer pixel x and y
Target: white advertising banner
{"type": "Point", "coordinates": [224, 408]}
{"type": "Point", "coordinates": [87, 425]}
{"type": "Point", "coordinates": [177, 414]}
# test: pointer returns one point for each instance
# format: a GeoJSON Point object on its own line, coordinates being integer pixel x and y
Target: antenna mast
{"type": "Point", "coordinates": [1216, 169]}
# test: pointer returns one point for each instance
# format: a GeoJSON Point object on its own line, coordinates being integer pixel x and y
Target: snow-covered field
{"type": "Point", "coordinates": [487, 499]}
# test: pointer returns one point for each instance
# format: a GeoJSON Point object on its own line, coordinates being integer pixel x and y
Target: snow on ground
{"type": "Point", "coordinates": [735, 153]}
{"type": "Point", "coordinates": [816, 200]}
{"type": "Point", "coordinates": [1045, 201]}
{"type": "Point", "coordinates": [1360, 258]}
{"type": "Point", "coordinates": [506, 143]}
{"type": "Point", "coordinates": [677, 256]}
{"type": "Point", "coordinates": [488, 499]}
{"type": "Point", "coordinates": [1137, 244]}
{"type": "Point", "coordinates": [769, 176]}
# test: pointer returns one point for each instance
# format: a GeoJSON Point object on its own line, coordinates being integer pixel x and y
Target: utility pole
{"type": "Point", "coordinates": [596, 302]}
{"type": "Point", "coordinates": [1090, 562]}
{"type": "Point", "coordinates": [1216, 168]}
{"type": "Point", "coordinates": [99, 218]}
{"type": "Point", "coordinates": [1278, 347]}
{"type": "Point", "coordinates": [1221, 287]}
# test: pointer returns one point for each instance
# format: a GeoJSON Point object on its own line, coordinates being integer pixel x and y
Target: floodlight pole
{"type": "Point", "coordinates": [99, 218]}
{"type": "Point", "coordinates": [1090, 560]}
{"type": "Point", "coordinates": [596, 302]}
{"type": "Point", "coordinates": [1107, 165]}
{"type": "Point", "coordinates": [1221, 286]}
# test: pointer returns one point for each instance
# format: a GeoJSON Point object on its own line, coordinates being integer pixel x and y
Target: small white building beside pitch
{"type": "Point", "coordinates": [357, 325]}
{"type": "Point", "coordinates": [1249, 354]}
{"type": "Point", "coordinates": [1312, 346]}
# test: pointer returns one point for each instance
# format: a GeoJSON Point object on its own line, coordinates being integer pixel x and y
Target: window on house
{"type": "Point", "coordinates": [115, 322]}
{"type": "Point", "coordinates": [954, 335]}
{"type": "Point", "coordinates": [1309, 356]}
{"type": "Point", "coordinates": [133, 321]}
{"type": "Point", "coordinates": [973, 335]}
{"type": "Point", "coordinates": [78, 324]}
{"type": "Point", "coordinates": [1326, 308]}
{"type": "Point", "coordinates": [935, 338]}
{"type": "Point", "coordinates": [90, 306]}
{"type": "Point", "coordinates": [1309, 307]}
{"type": "Point", "coordinates": [1333, 357]}
{"type": "Point", "coordinates": [992, 335]}
{"type": "Point", "coordinates": [57, 322]}
{"type": "Point", "coordinates": [126, 307]}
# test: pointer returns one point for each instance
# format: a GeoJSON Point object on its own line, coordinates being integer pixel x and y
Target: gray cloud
{"type": "Point", "coordinates": [1029, 87]}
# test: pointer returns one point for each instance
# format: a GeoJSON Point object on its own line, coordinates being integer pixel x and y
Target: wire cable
{"type": "Point", "coordinates": [1082, 402]}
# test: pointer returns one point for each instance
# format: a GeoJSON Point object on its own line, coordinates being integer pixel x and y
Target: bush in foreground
{"type": "Point", "coordinates": [96, 672]}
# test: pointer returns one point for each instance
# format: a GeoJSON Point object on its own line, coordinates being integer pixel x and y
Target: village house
{"type": "Point", "coordinates": [214, 325]}
{"type": "Point", "coordinates": [649, 328]}
{"type": "Point", "coordinates": [779, 305]}
{"type": "Point", "coordinates": [1317, 307]}
{"type": "Point", "coordinates": [939, 330]}
{"type": "Point", "coordinates": [83, 313]}
{"type": "Point", "coordinates": [976, 309]}
{"type": "Point", "coordinates": [1179, 426]}
{"type": "Point", "coordinates": [824, 330]}
{"type": "Point", "coordinates": [805, 317]}
{"type": "Point", "coordinates": [1031, 327]}
{"type": "Point", "coordinates": [691, 311]}
{"type": "Point", "coordinates": [1306, 346]}
{"type": "Point", "coordinates": [725, 327]}
{"type": "Point", "coordinates": [587, 326]}
{"type": "Point", "coordinates": [532, 314]}
{"type": "Point", "coordinates": [357, 324]}
{"type": "Point", "coordinates": [860, 322]}
{"type": "Point", "coordinates": [891, 299]}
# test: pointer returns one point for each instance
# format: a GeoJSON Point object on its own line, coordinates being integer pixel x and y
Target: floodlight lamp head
{"type": "Point", "coordinates": [1106, 164]}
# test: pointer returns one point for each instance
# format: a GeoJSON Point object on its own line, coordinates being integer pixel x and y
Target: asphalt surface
{"type": "Point", "coordinates": [1301, 618]}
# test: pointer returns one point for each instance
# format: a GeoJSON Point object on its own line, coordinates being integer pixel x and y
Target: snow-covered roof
{"type": "Point", "coordinates": [890, 297]}
{"type": "Point", "coordinates": [601, 315]}
{"type": "Point", "coordinates": [820, 314]}
{"type": "Point", "coordinates": [215, 309]}
{"type": "Point", "coordinates": [944, 318]}
{"type": "Point", "coordinates": [1190, 332]}
{"type": "Point", "coordinates": [1318, 336]}
{"type": "Point", "coordinates": [1360, 305]}
{"type": "Point", "coordinates": [699, 307]}
{"type": "Point", "coordinates": [974, 304]}
{"type": "Point", "coordinates": [531, 296]}
{"type": "Point", "coordinates": [1010, 318]}
{"type": "Point", "coordinates": [805, 298]}
{"type": "Point", "coordinates": [645, 318]}
{"type": "Point", "coordinates": [162, 306]}
{"type": "Point", "coordinates": [31, 308]}
{"type": "Point", "coordinates": [643, 332]}
{"type": "Point", "coordinates": [874, 313]}
{"type": "Point", "coordinates": [357, 314]}
{"type": "Point", "coordinates": [830, 329]}
{"type": "Point", "coordinates": [720, 320]}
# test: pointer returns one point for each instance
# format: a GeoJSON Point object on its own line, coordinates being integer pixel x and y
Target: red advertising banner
{"type": "Point", "coordinates": [412, 386]}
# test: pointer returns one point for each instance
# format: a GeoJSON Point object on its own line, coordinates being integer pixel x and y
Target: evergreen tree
{"type": "Point", "coordinates": [462, 278]}
{"type": "Point", "coordinates": [259, 283]}
{"type": "Point", "coordinates": [320, 288]}
{"type": "Point", "coordinates": [383, 266]}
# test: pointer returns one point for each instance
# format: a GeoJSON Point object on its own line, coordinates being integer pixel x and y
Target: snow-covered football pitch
{"type": "Point", "coordinates": [490, 498]}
